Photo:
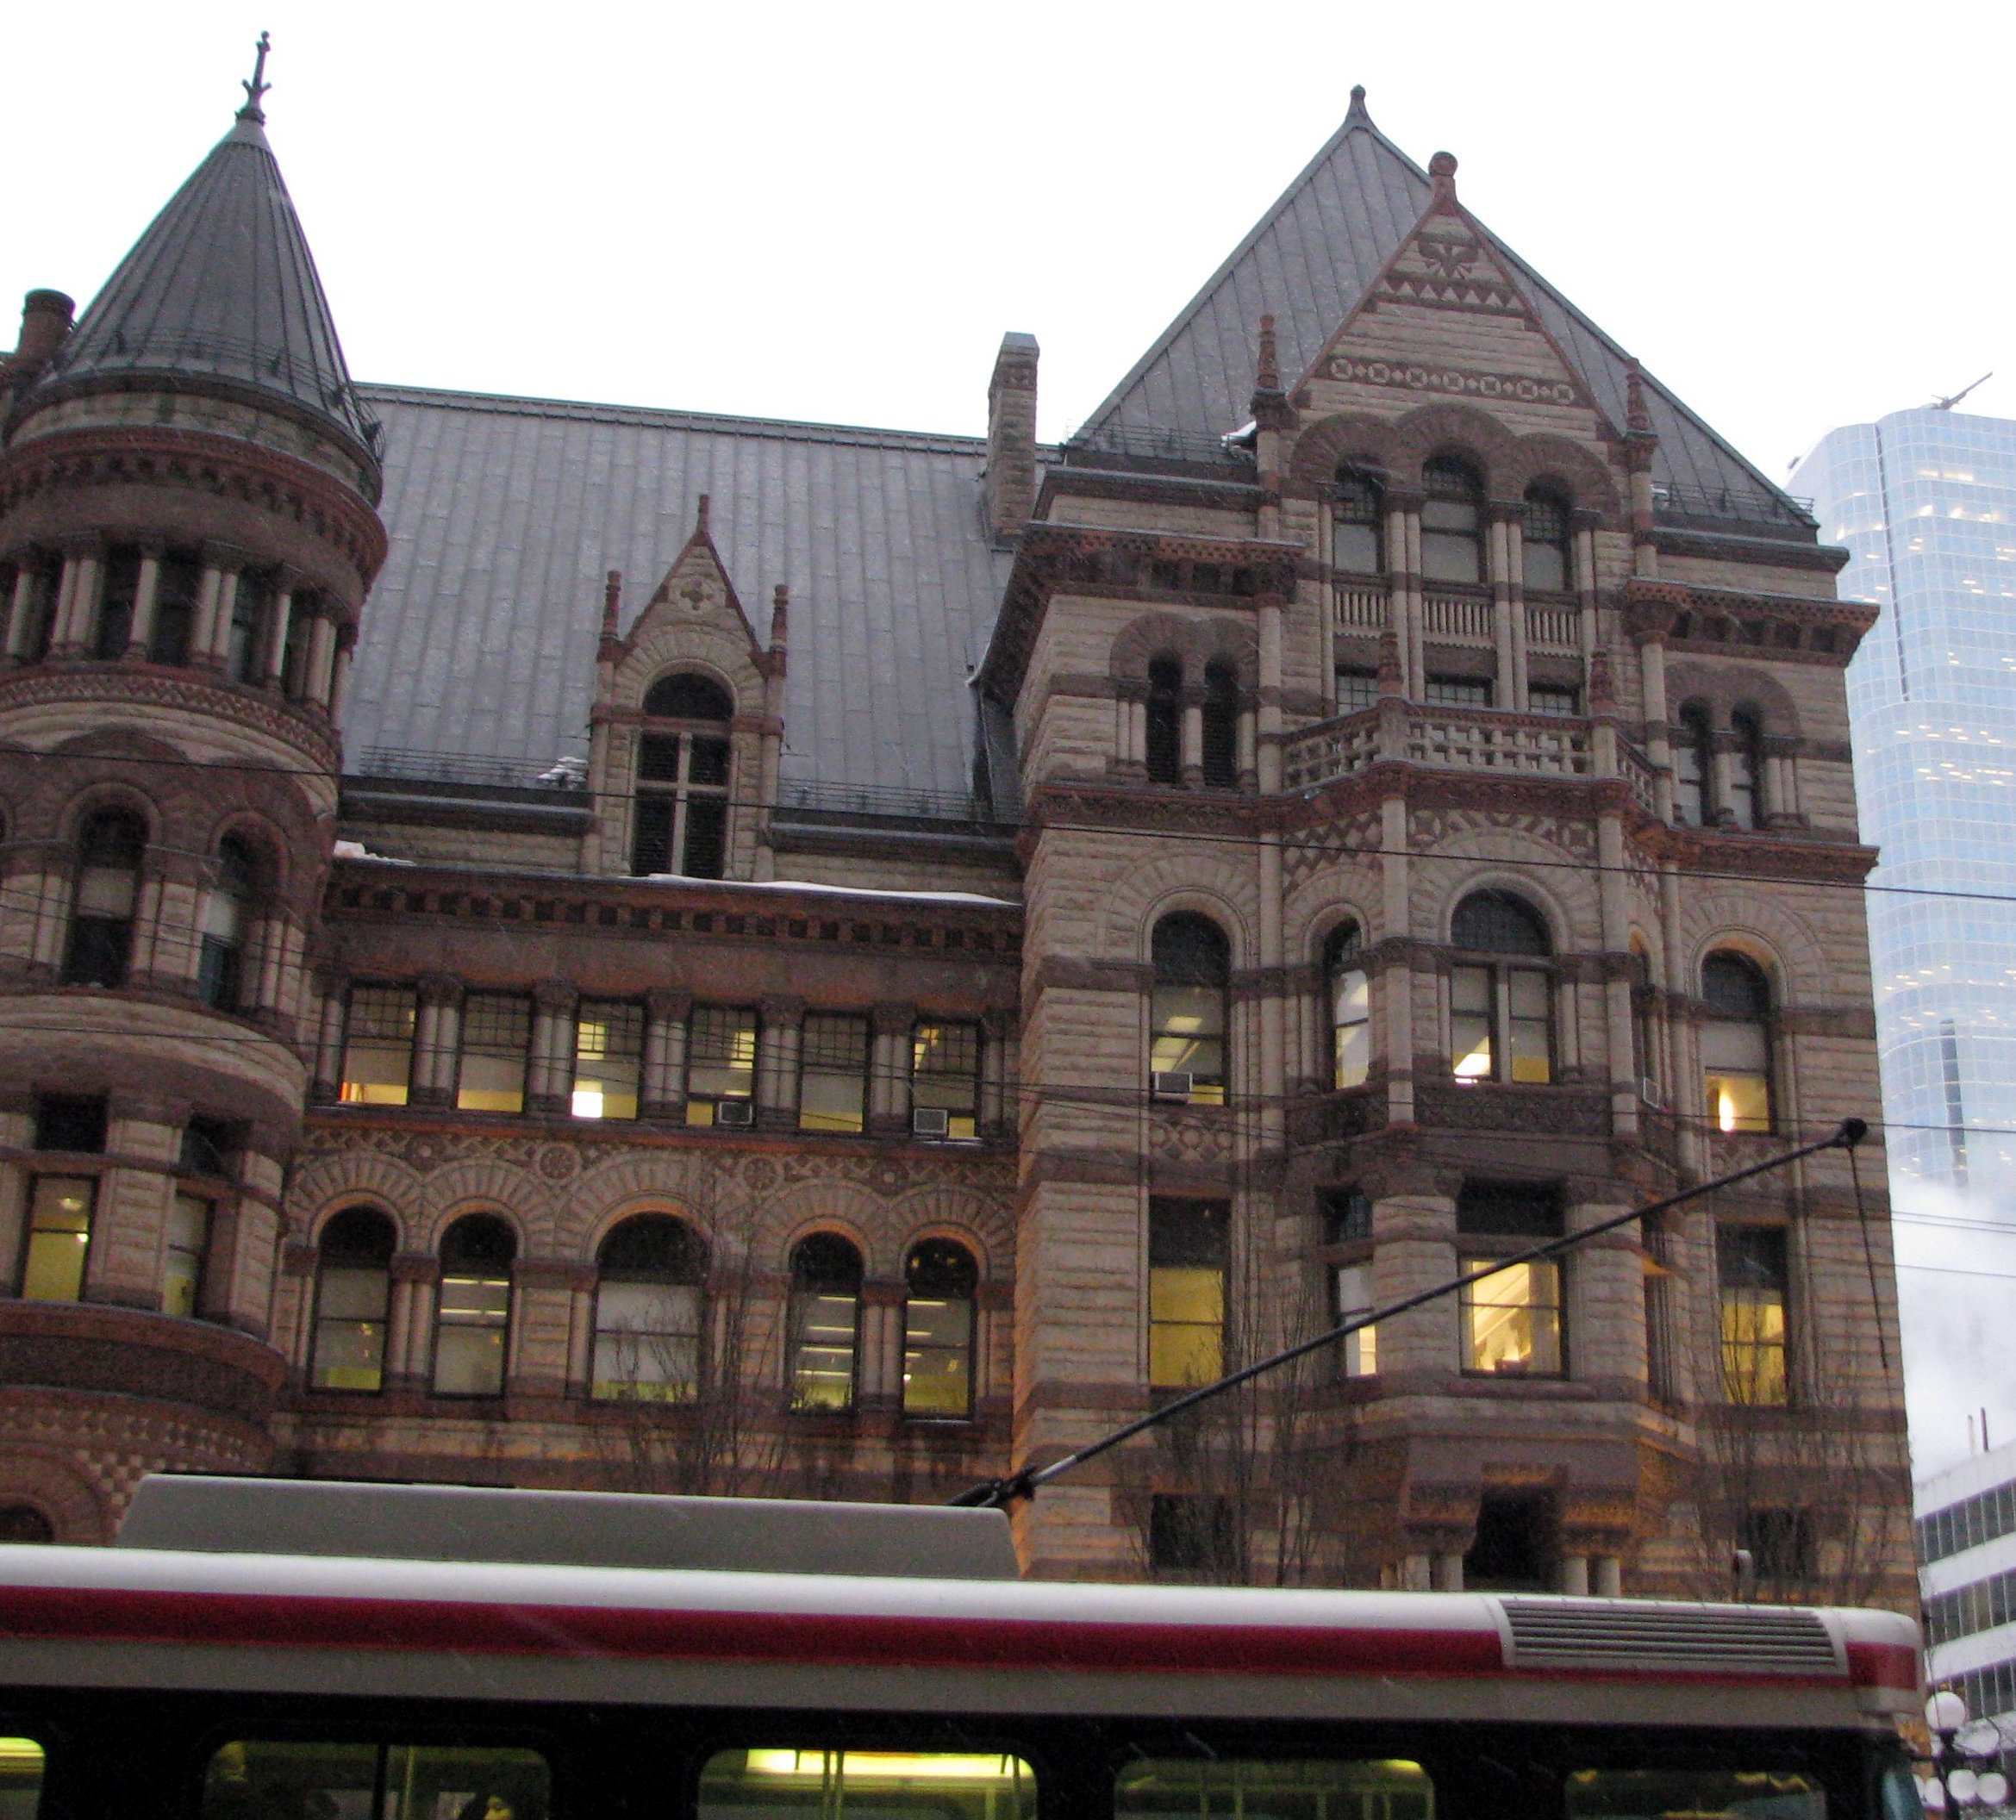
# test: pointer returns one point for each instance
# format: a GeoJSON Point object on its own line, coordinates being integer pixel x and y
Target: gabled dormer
{"type": "Point", "coordinates": [687, 726]}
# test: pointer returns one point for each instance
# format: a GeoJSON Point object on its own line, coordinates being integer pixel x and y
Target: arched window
{"type": "Point", "coordinates": [1359, 544]}
{"type": "Point", "coordinates": [109, 849]}
{"type": "Point", "coordinates": [1545, 560]}
{"type": "Point", "coordinates": [1500, 1018]}
{"type": "Point", "coordinates": [1746, 764]}
{"type": "Point", "coordinates": [352, 1295]}
{"type": "Point", "coordinates": [24, 1523]}
{"type": "Point", "coordinates": [219, 979]}
{"type": "Point", "coordinates": [1165, 753]}
{"type": "Point", "coordinates": [647, 1302]}
{"type": "Point", "coordinates": [473, 1314]}
{"type": "Point", "coordinates": [939, 1278]}
{"type": "Point", "coordinates": [1452, 523]}
{"type": "Point", "coordinates": [1221, 725]}
{"type": "Point", "coordinates": [1693, 768]}
{"type": "Point", "coordinates": [1351, 1006]}
{"type": "Point", "coordinates": [682, 809]}
{"type": "Point", "coordinates": [1187, 1010]}
{"type": "Point", "coordinates": [826, 1320]}
{"type": "Point", "coordinates": [1736, 1043]}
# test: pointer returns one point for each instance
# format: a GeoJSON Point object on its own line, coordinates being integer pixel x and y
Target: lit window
{"type": "Point", "coordinates": [496, 1038]}
{"type": "Point", "coordinates": [1736, 1045]}
{"type": "Point", "coordinates": [352, 1296]}
{"type": "Point", "coordinates": [58, 1237]}
{"type": "Point", "coordinates": [720, 1061]}
{"type": "Point", "coordinates": [1750, 1268]}
{"type": "Point", "coordinates": [375, 1781]}
{"type": "Point", "coordinates": [647, 1303]}
{"type": "Point", "coordinates": [833, 1073]}
{"type": "Point", "coordinates": [790, 1783]}
{"type": "Point", "coordinates": [20, 1759]}
{"type": "Point", "coordinates": [1354, 1298]}
{"type": "Point", "coordinates": [1350, 1007]}
{"type": "Point", "coordinates": [473, 1316]}
{"type": "Point", "coordinates": [1501, 1016]}
{"type": "Point", "coordinates": [939, 1278]}
{"type": "Point", "coordinates": [378, 1046]}
{"type": "Point", "coordinates": [1187, 1009]}
{"type": "Point", "coordinates": [1512, 1318]}
{"type": "Point", "coordinates": [609, 1059]}
{"type": "Point", "coordinates": [944, 1075]}
{"type": "Point", "coordinates": [1187, 1243]}
{"type": "Point", "coordinates": [824, 1316]}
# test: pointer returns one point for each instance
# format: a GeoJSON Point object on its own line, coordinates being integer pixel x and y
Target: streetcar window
{"type": "Point", "coordinates": [830, 1784]}
{"type": "Point", "coordinates": [263, 1776]}
{"type": "Point", "coordinates": [1700, 1794]}
{"type": "Point", "coordinates": [21, 1777]}
{"type": "Point", "coordinates": [1191, 1788]}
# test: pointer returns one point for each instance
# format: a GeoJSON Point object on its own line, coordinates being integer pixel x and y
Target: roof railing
{"type": "Point", "coordinates": [408, 765]}
{"type": "Point", "coordinates": [881, 801]}
{"type": "Point", "coordinates": [1672, 500]}
{"type": "Point", "coordinates": [1135, 442]}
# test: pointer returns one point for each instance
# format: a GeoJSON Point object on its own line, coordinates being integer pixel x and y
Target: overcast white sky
{"type": "Point", "coordinates": [1797, 214]}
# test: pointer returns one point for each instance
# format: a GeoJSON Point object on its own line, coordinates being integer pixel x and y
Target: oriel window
{"type": "Point", "coordinates": [59, 1243]}
{"type": "Point", "coordinates": [1189, 1246]}
{"type": "Point", "coordinates": [472, 1312]}
{"type": "Point", "coordinates": [1754, 1279]}
{"type": "Point", "coordinates": [496, 1039]}
{"type": "Point", "coordinates": [682, 804]}
{"type": "Point", "coordinates": [109, 849]}
{"type": "Point", "coordinates": [939, 1280]}
{"type": "Point", "coordinates": [720, 1061]}
{"type": "Point", "coordinates": [825, 1321]}
{"type": "Point", "coordinates": [1511, 1318]}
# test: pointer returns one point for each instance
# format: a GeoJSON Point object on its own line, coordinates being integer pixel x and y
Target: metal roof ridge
{"type": "Point", "coordinates": [645, 415]}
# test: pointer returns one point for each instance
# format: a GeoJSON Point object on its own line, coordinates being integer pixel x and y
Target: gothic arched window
{"type": "Point", "coordinates": [1501, 1016]}
{"type": "Point", "coordinates": [1186, 1011]}
{"type": "Point", "coordinates": [647, 1303]}
{"type": "Point", "coordinates": [682, 810]}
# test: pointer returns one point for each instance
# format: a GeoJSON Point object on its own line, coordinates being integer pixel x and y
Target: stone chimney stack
{"type": "Point", "coordinates": [1010, 480]}
{"type": "Point", "coordinates": [44, 324]}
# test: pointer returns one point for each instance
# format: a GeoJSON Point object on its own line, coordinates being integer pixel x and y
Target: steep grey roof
{"type": "Point", "coordinates": [480, 638]}
{"type": "Point", "coordinates": [1308, 262]}
{"type": "Point", "coordinates": [221, 285]}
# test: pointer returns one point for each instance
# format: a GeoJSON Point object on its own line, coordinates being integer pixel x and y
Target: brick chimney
{"type": "Point", "coordinates": [1010, 481]}
{"type": "Point", "coordinates": [45, 323]}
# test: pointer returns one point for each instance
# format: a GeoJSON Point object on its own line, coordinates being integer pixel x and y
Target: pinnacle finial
{"type": "Point", "coordinates": [1358, 103]}
{"type": "Point", "coordinates": [258, 85]}
{"type": "Point", "coordinates": [1442, 174]}
{"type": "Point", "coordinates": [1269, 376]}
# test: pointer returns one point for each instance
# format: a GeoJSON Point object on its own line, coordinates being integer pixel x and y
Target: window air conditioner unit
{"type": "Point", "coordinates": [930, 1121]}
{"type": "Point", "coordinates": [734, 1112]}
{"type": "Point", "coordinates": [1175, 1086]}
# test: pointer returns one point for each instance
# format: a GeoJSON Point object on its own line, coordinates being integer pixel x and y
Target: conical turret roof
{"type": "Point", "coordinates": [222, 289]}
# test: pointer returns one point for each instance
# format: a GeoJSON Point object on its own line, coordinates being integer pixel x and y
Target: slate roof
{"type": "Point", "coordinates": [1309, 261]}
{"type": "Point", "coordinates": [480, 638]}
{"type": "Point", "coordinates": [221, 285]}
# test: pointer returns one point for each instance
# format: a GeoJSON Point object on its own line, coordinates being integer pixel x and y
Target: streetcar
{"type": "Point", "coordinates": [287, 1650]}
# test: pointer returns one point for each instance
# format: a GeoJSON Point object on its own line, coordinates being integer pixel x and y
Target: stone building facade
{"type": "Point", "coordinates": [982, 936]}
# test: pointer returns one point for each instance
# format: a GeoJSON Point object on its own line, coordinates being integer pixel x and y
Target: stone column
{"type": "Point", "coordinates": [147, 591]}
{"type": "Point", "coordinates": [409, 1340]}
{"type": "Point", "coordinates": [1403, 549]}
{"type": "Point", "coordinates": [329, 1059]}
{"type": "Point", "coordinates": [1609, 1576]}
{"type": "Point", "coordinates": [204, 628]}
{"type": "Point", "coordinates": [889, 1071]}
{"type": "Point", "coordinates": [22, 611]}
{"type": "Point", "coordinates": [339, 680]}
{"type": "Point", "coordinates": [1651, 656]}
{"type": "Point", "coordinates": [996, 1114]}
{"type": "Point", "coordinates": [550, 1078]}
{"type": "Point", "coordinates": [321, 661]}
{"type": "Point", "coordinates": [1395, 1035]}
{"type": "Point", "coordinates": [77, 604]}
{"type": "Point", "coordinates": [1575, 1575]}
{"type": "Point", "coordinates": [1604, 1304]}
{"type": "Point", "coordinates": [1616, 974]}
{"type": "Point", "coordinates": [776, 1064]}
{"type": "Point", "coordinates": [663, 1094]}
{"type": "Point", "coordinates": [273, 657]}
{"type": "Point", "coordinates": [1193, 722]}
{"type": "Point", "coordinates": [1507, 694]}
{"type": "Point", "coordinates": [217, 654]}
{"type": "Point", "coordinates": [437, 1041]}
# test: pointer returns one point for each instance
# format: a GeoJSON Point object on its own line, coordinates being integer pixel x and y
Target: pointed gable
{"type": "Point", "coordinates": [694, 618]}
{"type": "Point", "coordinates": [1312, 260]}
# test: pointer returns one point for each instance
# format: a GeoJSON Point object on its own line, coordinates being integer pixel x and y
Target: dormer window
{"type": "Point", "coordinates": [1359, 547]}
{"type": "Point", "coordinates": [682, 810]}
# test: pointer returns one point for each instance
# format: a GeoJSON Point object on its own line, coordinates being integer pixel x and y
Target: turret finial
{"type": "Point", "coordinates": [1268, 376]}
{"type": "Point", "coordinates": [258, 85]}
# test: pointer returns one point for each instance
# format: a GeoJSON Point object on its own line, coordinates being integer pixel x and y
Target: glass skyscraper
{"type": "Point", "coordinates": [1926, 499]}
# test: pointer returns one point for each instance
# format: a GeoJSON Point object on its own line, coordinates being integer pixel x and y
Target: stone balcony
{"type": "Point", "coordinates": [1462, 739]}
